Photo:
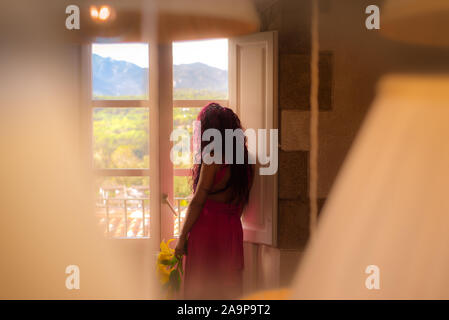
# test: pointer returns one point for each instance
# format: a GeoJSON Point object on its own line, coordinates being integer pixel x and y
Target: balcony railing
{"type": "Point", "coordinates": [129, 217]}
{"type": "Point", "coordinates": [124, 217]}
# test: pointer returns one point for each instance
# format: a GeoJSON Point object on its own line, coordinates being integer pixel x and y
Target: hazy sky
{"type": "Point", "coordinates": [136, 53]}
{"type": "Point", "coordinates": [211, 52]}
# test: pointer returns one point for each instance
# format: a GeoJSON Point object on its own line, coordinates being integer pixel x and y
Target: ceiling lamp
{"type": "Point", "coordinates": [111, 20]}
{"type": "Point", "coordinates": [385, 221]}
{"type": "Point", "coordinates": [202, 19]}
{"type": "Point", "coordinates": [175, 20]}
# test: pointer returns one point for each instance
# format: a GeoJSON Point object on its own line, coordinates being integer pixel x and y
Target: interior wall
{"type": "Point", "coordinates": [352, 60]}
{"type": "Point", "coordinates": [360, 57]}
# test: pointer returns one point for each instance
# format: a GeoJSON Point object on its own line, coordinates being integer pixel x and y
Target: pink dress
{"type": "Point", "coordinates": [214, 259]}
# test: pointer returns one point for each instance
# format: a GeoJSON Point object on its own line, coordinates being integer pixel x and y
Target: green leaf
{"type": "Point", "coordinates": [180, 266]}
{"type": "Point", "coordinates": [170, 262]}
{"type": "Point", "coordinates": [175, 279]}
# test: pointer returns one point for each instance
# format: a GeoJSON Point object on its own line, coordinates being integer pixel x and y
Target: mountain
{"type": "Point", "coordinates": [120, 78]}
{"type": "Point", "coordinates": [199, 76]}
{"type": "Point", "coordinates": [117, 78]}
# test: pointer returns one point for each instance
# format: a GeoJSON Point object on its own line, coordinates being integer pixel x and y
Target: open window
{"type": "Point", "coordinates": [119, 119]}
{"type": "Point", "coordinates": [200, 76]}
{"type": "Point", "coordinates": [125, 119]}
{"type": "Point", "coordinates": [253, 96]}
{"type": "Point", "coordinates": [240, 73]}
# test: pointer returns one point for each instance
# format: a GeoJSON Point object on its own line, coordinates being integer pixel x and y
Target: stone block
{"type": "Point", "coordinates": [294, 81]}
{"type": "Point", "coordinates": [293, 175]}
{"type": "Point", "coordinates": [295, 130]}
{"type": "Point", "coordinates": [270, 14]}
{"type": "Point", "coordinates": [325, 92]}
{"type": "Point", "coordinates": [293, 224]}
{"type": "Point", "coordinates": [294, 34]}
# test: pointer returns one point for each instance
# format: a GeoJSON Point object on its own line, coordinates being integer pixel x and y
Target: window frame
{"type": "Point", "coordinates": [190, 103]}
{"type": "Point", "coordinates": [161, 104]}
{"type": "Point", "coordinates": [90, 104]}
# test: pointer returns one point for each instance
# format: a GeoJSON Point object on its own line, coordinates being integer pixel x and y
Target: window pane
{"type": "Point", "coordinates": [181, 206]}
{"type": "Point", "coordinates": [123, 206]}
{"type": "Point", "coordinates": [183, 118]}
{"type": "Point", "coordinates": [200, 70]}
{"type": "Point", "coordinates": [182, 196]}
{"type": "Point", "coordinates": [183, 187]}
{"type": "Point", "coordinates": [120, 138]}
{"type": "Point", "coordinates": [120, 71]}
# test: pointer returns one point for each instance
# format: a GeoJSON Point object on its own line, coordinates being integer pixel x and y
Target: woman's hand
{"type": "Point", "coordinates": [180, 249]}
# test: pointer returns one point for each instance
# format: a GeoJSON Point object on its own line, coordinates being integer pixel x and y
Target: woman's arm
{"type": "Point", "coordinates": [205, 183]}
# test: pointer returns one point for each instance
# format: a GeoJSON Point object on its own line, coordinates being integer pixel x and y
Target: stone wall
{"type": "Point", "coordinates": [292, 21]}
{"type": "Point", "coordinates": [352, 60]}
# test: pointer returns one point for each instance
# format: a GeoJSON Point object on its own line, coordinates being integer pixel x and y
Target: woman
{"type": "Point", "coordinates": [212, 236]}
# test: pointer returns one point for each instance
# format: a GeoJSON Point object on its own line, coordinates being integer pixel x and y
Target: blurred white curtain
{"type": "Point", "coordinates": [390, 204]}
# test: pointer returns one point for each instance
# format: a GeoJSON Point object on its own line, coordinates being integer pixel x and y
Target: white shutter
{"type": "Point", "coordinates": [253, 96]}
